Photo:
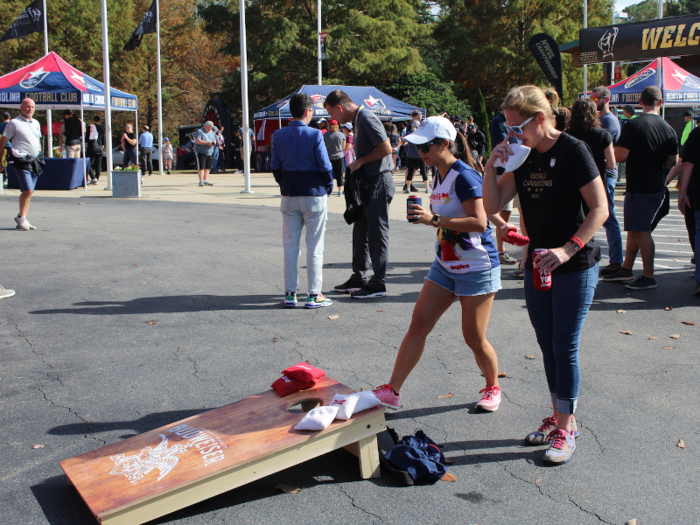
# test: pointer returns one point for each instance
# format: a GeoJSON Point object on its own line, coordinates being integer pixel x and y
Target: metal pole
{"type": "Point", "coordinates": [49, 122]}
{"type": "Point", "coordinates": [160, 92]}
{"type": "Point", "coordinates": [108, 100]}
{"type": "Point", "coordinates": [585, 68]}
{"type": "Point", "coordinates": [658, 60]}
{"type": "Point", "coordinates": [320, 73]}
{"type": "Point", "coordinates": [244, 100]}
{"type": "Point", "coordinates": [82, 143]}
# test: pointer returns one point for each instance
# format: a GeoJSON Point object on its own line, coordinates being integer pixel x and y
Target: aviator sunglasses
{"type": "Point", "coordinates": [518, 130]}
{"type": "Point", "coordinates": [425, 148]}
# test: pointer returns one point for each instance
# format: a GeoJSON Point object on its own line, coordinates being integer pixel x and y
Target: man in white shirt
{"type": "Point", "coordinates": [25, 133]}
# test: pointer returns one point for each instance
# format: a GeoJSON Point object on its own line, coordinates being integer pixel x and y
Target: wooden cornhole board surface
{"type": "Point", "coordinates": [158, 472]}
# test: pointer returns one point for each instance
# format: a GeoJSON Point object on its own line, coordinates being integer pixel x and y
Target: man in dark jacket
{"type": "Point", "coordinates": [95, 141]}
{"type": "Point", "coordinates": [302, 168]}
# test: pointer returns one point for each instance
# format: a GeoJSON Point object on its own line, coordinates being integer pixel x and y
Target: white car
{"type": "Point", "coordinates": [118, 157]}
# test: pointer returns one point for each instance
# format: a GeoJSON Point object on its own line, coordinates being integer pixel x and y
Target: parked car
{"type": "Point", "coordinates": [118, 157]}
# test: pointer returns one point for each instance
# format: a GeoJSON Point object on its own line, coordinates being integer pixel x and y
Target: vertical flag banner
{"type": "Point", "coordinates": [31, 20]}
{"type": "Point", "coordinates": [546, 52]}
{"type": "Point", "coordinates": [324, 35]}
{"type": "Point", "coordinates": [147, 25]}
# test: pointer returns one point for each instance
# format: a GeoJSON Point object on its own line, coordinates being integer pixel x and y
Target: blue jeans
{"type": "Point", "coordinates": [557, 316]}
{"type": "Point", "coordinates": [215, 159]}
{"type": "Point", "coordinates": [298, 212]}
{"type": "Point", "coordinates": [697, 244]}
{"type": "Point", "coordinates": [612, 227]}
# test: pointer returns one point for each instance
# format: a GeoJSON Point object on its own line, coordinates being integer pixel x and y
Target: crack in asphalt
{"type": "Point", "coordinates": [595, 436]}
{"type": "Point", "coordinates": [354, 504]}
{"type": "Point", "coordinates": [589, 512]}
{"type": "Point", "coordinates": [510, 400]}
{"type": "Point", "coordinates": [31, 347]}
{"type": "Point", "coordinates": [70, 410]}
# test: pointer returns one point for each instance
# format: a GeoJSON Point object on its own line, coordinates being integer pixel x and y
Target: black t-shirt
{"type": "Point", "coordinates": [548, 185]}
{"type": "Point", "coordinates": [650, 142]}
{"type": "Point", "coordinates": [597, 139]}
{"type": "Point", "coordinates": [477, 141]}
{"type": "Point", "coordinates": [691, 154]}
{"type": "Point", "coordinates": [73, 129]}
{"type": "Point", "coordinates": [127, 145]}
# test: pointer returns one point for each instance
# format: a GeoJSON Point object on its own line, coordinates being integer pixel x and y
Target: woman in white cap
{"type": "Point", "coordinates": [466, 265]}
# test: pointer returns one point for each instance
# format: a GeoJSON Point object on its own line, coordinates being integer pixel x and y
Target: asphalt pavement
{"type": "Point", "coordinates": [131, 314]}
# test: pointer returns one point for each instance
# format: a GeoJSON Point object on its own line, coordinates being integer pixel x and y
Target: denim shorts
{"type": "Point", "coordinates": [640, 210]}
{"type": "Point", "coordinates": [27, 179]}
{"type": "Point", "coordinates": [465, 284]}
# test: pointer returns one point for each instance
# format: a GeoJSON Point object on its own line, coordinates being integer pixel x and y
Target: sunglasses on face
{"type": "Point", "coordinates": [425, 148]}
{"type": "Point", "coordinates": [518, 130]}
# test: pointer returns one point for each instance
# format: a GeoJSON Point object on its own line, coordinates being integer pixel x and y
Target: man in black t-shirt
{"type": "Point", "coordinates": [477, 143]}
{"type": "Point", "coordinates": [689, 196]}
{"type": "Point", "coordinates": [647, 144]}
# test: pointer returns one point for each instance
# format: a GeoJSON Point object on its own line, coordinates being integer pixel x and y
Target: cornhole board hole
{"type": "Point", "coordinates": [172, 467]}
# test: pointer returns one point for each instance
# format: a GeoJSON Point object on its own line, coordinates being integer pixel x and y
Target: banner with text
{"type": "Point", "coordinates": [651, 39]}
{"type": "Point", "coordinates": [546, 52]}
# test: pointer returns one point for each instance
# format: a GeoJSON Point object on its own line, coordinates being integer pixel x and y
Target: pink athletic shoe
{"type": "Point", "coordinates": [490, 400]}
{"type": "Point", "coordinates": [385, 394]}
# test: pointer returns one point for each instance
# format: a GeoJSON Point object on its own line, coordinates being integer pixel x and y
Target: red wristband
{"type": "Point", "coordinates": [578, 242]}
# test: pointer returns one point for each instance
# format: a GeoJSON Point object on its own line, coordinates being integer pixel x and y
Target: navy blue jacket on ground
{"type": "Point", "coordinates": [300, 161]}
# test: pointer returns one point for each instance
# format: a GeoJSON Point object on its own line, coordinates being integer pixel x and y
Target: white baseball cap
{"type": "Point", "coordinates": [347, 125]}
{"type": "Point", "coordinates": [432, 128]}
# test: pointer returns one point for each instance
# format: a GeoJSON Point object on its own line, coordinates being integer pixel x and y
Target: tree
{"type": "Point", "coordinates": [370, 42]}
{"type": "Point", "coordinates": [481, 118]}
{"type": "Point", "coordinates": [426, 91]}
{"type": "Point", "coordinates": [486, 43]}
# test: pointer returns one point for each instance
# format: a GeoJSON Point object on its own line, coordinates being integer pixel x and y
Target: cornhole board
{"type": "Point", "coordinates": [172, 467]}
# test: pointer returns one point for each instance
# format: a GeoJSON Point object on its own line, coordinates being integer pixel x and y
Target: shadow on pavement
{"type": "Point", "coordinates": [139, 426]}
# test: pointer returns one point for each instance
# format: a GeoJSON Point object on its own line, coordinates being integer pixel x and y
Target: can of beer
{"type": "Point", "coordinates": [413, 199]}
{"type": "Point", "coordinates": [542, 277]}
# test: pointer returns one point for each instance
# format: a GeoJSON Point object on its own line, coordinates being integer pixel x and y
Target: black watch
{"type": "Point", "coordinates": [436, 220]}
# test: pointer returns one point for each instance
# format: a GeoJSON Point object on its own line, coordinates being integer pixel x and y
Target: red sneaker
{"type": "Point", "coordinates": [386, 395]}
{"type": "Point", "coordinates": [490, 400]}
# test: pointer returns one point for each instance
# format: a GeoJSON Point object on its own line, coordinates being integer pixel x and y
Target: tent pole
{"type": "Point", "coordinates": [49, 123]}
{"type": "Point", "coordinates": [244, 100]}
{"type": "Point", "coordinates": [108, 100]}
{"type": "Point", "coordinates": [82, 142]}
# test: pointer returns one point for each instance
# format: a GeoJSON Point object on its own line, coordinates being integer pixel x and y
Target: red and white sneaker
{"type": "Point", "coordinates": [386, 395]}
{"type": "Point", "coordinates": [490, 400]}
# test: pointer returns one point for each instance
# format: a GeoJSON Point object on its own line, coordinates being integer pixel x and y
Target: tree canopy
{"type": "Point", "coordinates": [427, 91]}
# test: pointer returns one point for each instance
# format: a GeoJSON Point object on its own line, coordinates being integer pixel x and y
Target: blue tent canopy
{"type": "Point", "coordinates": [54, 84]}
{"type": "Point", "coordinates": [384, 106]}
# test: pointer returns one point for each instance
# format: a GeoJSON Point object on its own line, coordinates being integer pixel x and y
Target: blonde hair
{"type": "Point", "coordinates": [334, 127]}
{"type": "Point", "coordinates": [530, 100]}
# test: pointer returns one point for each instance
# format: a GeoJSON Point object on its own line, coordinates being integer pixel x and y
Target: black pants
{"type": "Point", "coordinates": [145, 160]}
{"type": "Point", "coordinates": [95, 165]}
{"type": "Point", "coordinates": [415, 164]}
{"type": "Point", "coordinates": [339, 171]}
{"type": "Point", "coordinates": [370, 234]}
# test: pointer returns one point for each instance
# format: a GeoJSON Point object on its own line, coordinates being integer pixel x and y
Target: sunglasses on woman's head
{"type": "Point", "coordinates": [425, 148]}
{"type": "Point", "coordinates": [518, 130]}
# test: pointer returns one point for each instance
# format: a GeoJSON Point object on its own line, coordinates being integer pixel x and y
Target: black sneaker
{"type": "Point", "coordinates": [642, 283]}
{"type": "Point", "coordinates": [370, 292]}
{"type": "Point", "coordinates": [353, 284]}
{"type": "Point", "coordinates": [621, 274]}
{"type": "Point", "coordinates": [405, 189]}
{"type": "Point", "coordinates": [609, 269]}
{"type": "Point", "coordinates": [413, 188]}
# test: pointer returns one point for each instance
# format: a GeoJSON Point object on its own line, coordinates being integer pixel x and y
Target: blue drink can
{"type": "Point", "coordinates": [413, 199]}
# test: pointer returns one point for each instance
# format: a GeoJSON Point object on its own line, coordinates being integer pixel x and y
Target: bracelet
{"type": "Point", "coordinates": [578, 242]}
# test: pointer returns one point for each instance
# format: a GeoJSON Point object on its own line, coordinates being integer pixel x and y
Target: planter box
{"type": "Point", "coordinates": [126, 184]}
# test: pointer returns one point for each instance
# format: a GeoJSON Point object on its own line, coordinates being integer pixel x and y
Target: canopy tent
{"type": "Point", "coordinates": [384, 106]}
{"type": "Point", "coordinates": [54, 84]}
{"type": "Point", "coordinates": [679, 88]}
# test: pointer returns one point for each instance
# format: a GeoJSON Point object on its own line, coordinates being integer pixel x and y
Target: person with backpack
{"type": "Point", "coordinates": [95, 142]}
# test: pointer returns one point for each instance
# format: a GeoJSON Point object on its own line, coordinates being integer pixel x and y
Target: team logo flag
{"type": "Point", "coordinates": [147, 25]}
{"type": "Point", "coordinates": [31, 20]}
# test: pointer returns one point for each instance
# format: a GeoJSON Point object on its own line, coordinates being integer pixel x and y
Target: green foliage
{"type": "Point", "coordinates": [485, 43]}
{"type": "Point", "coordinates": [369, 42]}
{"type": "Point", "coordinates": [649, 9]}
{"type": "Point", "coordinates": [427, 91]}
{"type": "Point", "coordinates": [481, 118]}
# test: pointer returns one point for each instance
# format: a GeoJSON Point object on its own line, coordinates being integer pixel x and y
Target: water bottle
{"type": "Point", "coordinates": [413, 199]}
{"type": "Point", "coordinates": [541, 276]}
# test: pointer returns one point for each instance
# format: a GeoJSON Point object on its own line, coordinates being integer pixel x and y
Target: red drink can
{"type": "Point", "coordinates": [541, 276]}
{"type": "Point", "coordinates": [413, 199]}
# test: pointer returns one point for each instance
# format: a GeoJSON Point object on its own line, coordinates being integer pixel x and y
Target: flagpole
{"type": "Point", "coordinates": [160, 91]}
{"type": "Point", "coordinates": [320, 67]}
{"type": "Point", "coordinates": [49, 123]}
{"type": "Point", "coordinates": [244, 100]}
{"type": "Point", "coordinates": [585, 67]}
{"type": "Point", "coordinates": [108, 100]}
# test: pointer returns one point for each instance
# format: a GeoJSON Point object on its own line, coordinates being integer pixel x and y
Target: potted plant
{"type": "Point", "coordinates": [126, 182]}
